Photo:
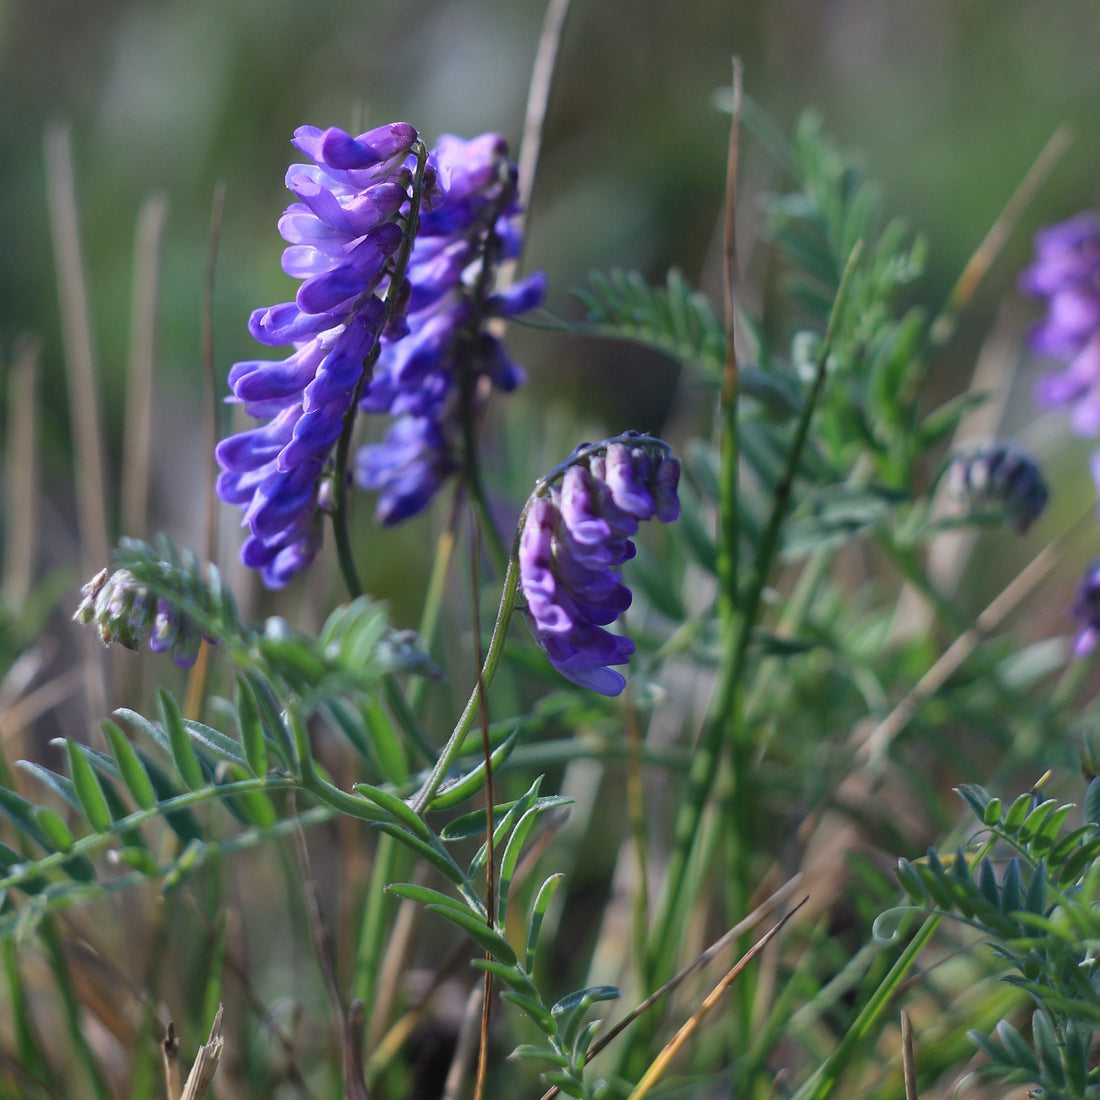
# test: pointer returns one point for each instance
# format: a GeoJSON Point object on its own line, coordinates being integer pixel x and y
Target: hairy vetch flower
{"type": "Point", "coordinates": [576, 531]}
{"type": "Point", "coordinates": [341, 235]}
{"type": "Point", "coordinates": [1001, 477]}
{"type": "Point", "coordinates": [1086, 610]}
{"type": "Point", "coordinates": [125, 611]}
{"type": "Point", "coordinates": [1066, 273]}
{"type": "Point", "coordinates": [424, 374]}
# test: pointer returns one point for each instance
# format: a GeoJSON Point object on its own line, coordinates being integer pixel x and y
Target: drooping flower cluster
{"type": "Point", "coordinates": [574, 534]}
{"type": "Point", "coordinates": [125, 611]}
{"type": "Point", "coordinates": [999, 476]}
{"type": "Point", "coordinates": [1066, 273]}
{"type": "Point", "coordinates": [423, 376]}
{"type": "Point", "coordinates": [341, 235]}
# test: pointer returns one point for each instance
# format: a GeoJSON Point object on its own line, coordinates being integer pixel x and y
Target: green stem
{"type": "Point", "coordinates": [823, 1082]}
{"type": "Point", "coordinates": [374, 929]}
{"type": "Point", "coordinates": [340, 531]}
{"type": "Point", "coordinates": [453, 747]}
{"type": "Point", "coordinates": [704, 767]}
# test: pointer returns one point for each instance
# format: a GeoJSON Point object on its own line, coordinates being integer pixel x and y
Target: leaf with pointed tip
{"type": "Point", "coordinates": [183, 752]}
{"type": "Point", "coordinates": [440, 860]}
{"type": "Point", "coordinates": [468, 785]}
{"type": "Point", "coordinates": [485, 937]}
{"type": "Point", "coordinates": [538, 912]}
{"type": "Point", "coordinates": [130, 767]}
{"type": "Point", "coordinates": [88, 791]}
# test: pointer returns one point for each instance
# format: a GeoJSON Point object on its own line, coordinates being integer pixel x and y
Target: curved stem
{"type": "Point", "coordinates": [454, 744]}
{"type": "Point", "coordinates": [343, 444]}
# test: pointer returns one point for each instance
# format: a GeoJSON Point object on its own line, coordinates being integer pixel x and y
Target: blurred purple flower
{"type": "Point", "coordinates": [1066, 273]}
{"type": "Point", "coordinates": [340, 236]}
{"type": "Point", "coordinates": [573, 536]}
{"type": "Point", "coordinates": [1086, 609]}
{"type": "Point", "coordinates": [999, 476]}
{"type": "Point", "coordinates": [422, 371]}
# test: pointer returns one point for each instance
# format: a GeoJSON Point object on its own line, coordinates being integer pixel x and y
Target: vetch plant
{"type": "Point", "coordinates": [786, 731]}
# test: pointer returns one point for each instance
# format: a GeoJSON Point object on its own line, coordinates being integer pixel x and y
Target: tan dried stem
{"type": "Point", "coordinates": [675, 1044]}
{"type": "Point", "coordinates": [943, 328]}
{"type": "Point", "coordinates": [873, 746]}
{"type": "Point", "coordinates": [137, 440]}
{"type": "Point", "coordinates": [464, 1048]}
{"type": "Point", "coordinates": [746, 924]}
{"type": "Point", "coordinates": [490, 856]}
{"type": "Point", "coordinates": [80, 368]}
{"type": "Point", "coordinates": [170, 1050]}
{"type": "Point", "coordinates": [908, 1064]}
{"type": "Point", "coordinates": [196, 681]}
{"type": "Point", "coordinates": [729, 240]}
{"type": "Point", "coordinates": [21, 510]}
{"type": "Point", "coordinates": [206, 1062]}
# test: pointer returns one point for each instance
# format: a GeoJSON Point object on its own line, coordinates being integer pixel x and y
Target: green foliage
{"type": "Point", "coordinates": [1040, 917]}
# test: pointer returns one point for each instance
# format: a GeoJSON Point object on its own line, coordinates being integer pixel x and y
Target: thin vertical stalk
{"type": "Point", "coordinates": [538, 98]}
{"type": "Point", "coordinates": [450, 751]}
{"type": "Point", "coordinates": [704, 767]}
{"type": "Point", "coordinates": [196, 682]}
{"type": "Point", "coordinates": [21, 508]}
{"type": "Point", "coordinates": [76, 330]}
{"type": "Point", "coordinates": [490, 857]}
{"type": "Point", "coordinates": [211, 405]}
{"type": "Point", "coordinates": [138, 429]}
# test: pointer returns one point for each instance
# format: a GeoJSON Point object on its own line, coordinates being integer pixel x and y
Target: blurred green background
{"type": "Point", "coordinates": [950, 101]}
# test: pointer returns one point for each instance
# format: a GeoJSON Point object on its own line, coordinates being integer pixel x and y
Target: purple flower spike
{"type": "Point", "coordinates": [572, 534]}
{"type": "Point", "coordinates": [1066, 273]}
{"type": "Point", "coordinates": [444, 346]}
{"type": "Point", "coordinates": [1086, 610]}
{"type": "Point", "coordinates": [340, 242]}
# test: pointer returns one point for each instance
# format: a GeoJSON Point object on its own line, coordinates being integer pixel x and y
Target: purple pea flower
{"type": "Point", "coordinates": [1086, 609]}
{"type": "Point", "coordinates": [444, 355]}
{"type": "Point", "coordinates": [573, 535]}
{"type": "Point", "coordinates": [1000, 477]}
{"type": "Point", "coordinates": [341, 235]}
{"type": "Point", "coordinates": [1066, 274]}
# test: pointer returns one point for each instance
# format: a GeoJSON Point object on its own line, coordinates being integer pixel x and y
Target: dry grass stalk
{"type": "Point", "coordinates": [136, 447]}
{"type": "Point", "coordinates": [21, 519]}
{"type": "Point", "coordinates": [206, 1062]}
{"type": "Point", "coordinates": [908, 1065]}
{"type": "Point", "coordinates": [82, 383]}
{"type": "Point", "coordinates": [691, 1025]}
{"type": "Point", "coordinates": [170, 1049]}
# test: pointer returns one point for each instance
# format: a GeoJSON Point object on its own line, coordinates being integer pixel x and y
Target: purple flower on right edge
{"type": "Point", "coordinates": [1066, 274]}
{"type": "Point", "coordinates": [1086, 610]}
{"type": "Point", "coordinates": [574, 535]}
